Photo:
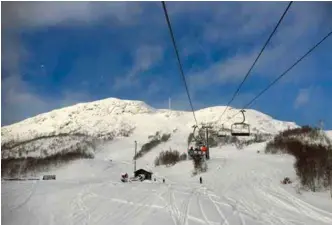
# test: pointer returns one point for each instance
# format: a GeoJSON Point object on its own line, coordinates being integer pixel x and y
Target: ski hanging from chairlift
{"type": "Point", "coordinates": [240, 128]}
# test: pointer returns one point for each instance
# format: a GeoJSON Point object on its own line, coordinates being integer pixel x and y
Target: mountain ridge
{"type": "Point", "coordinates": [115, 118]}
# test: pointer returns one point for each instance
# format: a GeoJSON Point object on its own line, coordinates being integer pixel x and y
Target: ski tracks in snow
{"type": "Point", "coordinates": [181, 213]}
{"type": "Point", "coordinates": [206, 219]}
{"type": "Point", "coordinates": [179, 216]}
{"type": "Point", "coordinates": [33, 190]}
{"type": "Point", "coordinates": [281, 197]}
{"type": "Point", "coordinates": [80, 212]}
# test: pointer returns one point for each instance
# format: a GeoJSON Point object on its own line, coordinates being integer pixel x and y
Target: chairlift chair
{"type": "Point", "coordinates": [222, 133]}
{"type": "Point", "coordinates": [198, 139]}
{"type": "Point", "coordinates": [240, 128]}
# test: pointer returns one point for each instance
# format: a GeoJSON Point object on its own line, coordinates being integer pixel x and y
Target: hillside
{"type": "Point", "coordinates": [61, 130]}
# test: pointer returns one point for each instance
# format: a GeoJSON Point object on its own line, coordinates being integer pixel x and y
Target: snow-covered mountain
{"type": "Point", "coordinates": [61, 129]}
{"type": "Point", "coordinates": [329, 133]}
{"type": "Point", "coordinates": [240, 187]}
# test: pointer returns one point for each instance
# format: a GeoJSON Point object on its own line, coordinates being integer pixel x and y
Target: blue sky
{"type": "Point", "coordinates": [56, 54]}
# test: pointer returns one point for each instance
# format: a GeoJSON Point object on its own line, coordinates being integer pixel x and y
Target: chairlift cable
{"type": "Point", "coordinates": [258, 56]}
{"type": "Point", "coordinates": [178, 59]}
{"type": "Point", "coordinates": [284, 73]}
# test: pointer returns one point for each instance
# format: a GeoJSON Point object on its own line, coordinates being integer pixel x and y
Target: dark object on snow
{"type": "Point", "coordinates": [49, 177]}
{"type": "Point", "coordinates": [147, 175]}
{"type": "Point", "coordinates": [200, 180]}
{"type": "Point", "coordinates": [155, 179]}
{"type": "Point", "coordinates": [163, 180]}
{"type": "Point", "coordinates": [286, 181]}
{"type": "Point", "coordinates": [258, 152]}
{"type": "Point", "coordinates": [124, 177]}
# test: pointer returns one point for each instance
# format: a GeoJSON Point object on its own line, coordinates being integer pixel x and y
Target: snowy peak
{"type": "Point", "coordinates": [109, 106]}
{"type": "Point", "coordinates": [112, 118]}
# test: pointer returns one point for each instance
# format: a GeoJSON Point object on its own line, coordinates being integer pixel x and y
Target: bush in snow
{"type": "Point", "coordinates": [169, 157]}
{"type": "Point", "coordinates": [11, 167]}
{"type": "Point", "coordinates": [45, 151]}
{"type": "Point", "coordinates": [312, 152]}
{"type": "Point", "coordinates": [147, 147]}
{"type": "Point", "coordinates": [165, 137]}
{"type": "Point", "coordinates": [183, 156]}
{"type": "Point", "coordinates": [155, 141]}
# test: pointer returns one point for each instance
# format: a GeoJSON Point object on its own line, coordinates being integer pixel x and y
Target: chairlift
{"type": "Point", "coordinates": [221, 135]}
{"type": "Point", "coordinates": [222, 132]}
{"type": "Point", "coordinates": [240, 128]}
{"type": "Point", "coordinates": [198, 139]}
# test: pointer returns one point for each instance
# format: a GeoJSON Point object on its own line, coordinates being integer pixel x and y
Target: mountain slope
{"type": "Point", "coordinates": [240, 187]}
{"type": "Point", "coordinates": [112, 118]}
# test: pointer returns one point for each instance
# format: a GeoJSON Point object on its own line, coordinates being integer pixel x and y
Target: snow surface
{"type": "Point", "coordinates": [240, 187]}
{"type": "Point", "coordinates": [111, 118]}
{"type": "Point", "coordinates": [329, 133]}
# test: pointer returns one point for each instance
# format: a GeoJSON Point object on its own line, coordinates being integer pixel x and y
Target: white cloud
{"type": "Point", "coordinates": [19, 101]}
{"type": "Point", "coordinates": [314, 105]}
{"type": "Point", "coordinates": [302, 27]}
{"type": "Point", "coordinates": [302, 98]}
{"type": "Point", "coordinates": [35, 14]}
{"type": "Point", "coordinates": [241, 22]}
{"type": "Point", "coordinates": [144, 58]}
{"type": "Point", "coordinates": [224, 71]}
{"type": "Point", "coordinates": [220, 26]}
{"type": "Point", "coordinates": [153, 88]}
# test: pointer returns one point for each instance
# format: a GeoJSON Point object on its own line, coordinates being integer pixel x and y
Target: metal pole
{"type": "Point", "coordinates": [135, 157]}
{"type": "Point", "coordinates": [207, 144]}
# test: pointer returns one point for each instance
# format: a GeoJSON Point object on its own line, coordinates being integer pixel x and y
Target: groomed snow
{"type": "Point", "coordinates": [240, 187]}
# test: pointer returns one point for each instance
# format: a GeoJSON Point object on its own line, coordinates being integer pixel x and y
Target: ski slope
{"type": "Point", "coordinates": [240, 187]}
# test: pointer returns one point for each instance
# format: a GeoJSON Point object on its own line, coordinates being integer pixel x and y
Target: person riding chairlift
{"type": "Point", "coordinates": [203, 148]}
